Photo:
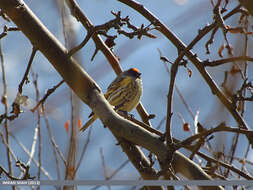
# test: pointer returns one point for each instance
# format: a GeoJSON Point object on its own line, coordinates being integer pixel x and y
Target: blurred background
{"type": "Point", "coordinates": [183, 17]}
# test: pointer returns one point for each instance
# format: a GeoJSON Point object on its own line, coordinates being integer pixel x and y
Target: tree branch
{"type": "Point", "coordinates": [193, 58]}
{"type": "Point", "coordinates": [87, 89]}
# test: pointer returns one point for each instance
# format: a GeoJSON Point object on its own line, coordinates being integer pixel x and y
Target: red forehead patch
{"type": "Point", "coordinates": [135, 70]}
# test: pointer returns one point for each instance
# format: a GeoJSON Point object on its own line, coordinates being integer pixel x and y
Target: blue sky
{"type": "Point", "coordinates": [184, 20]}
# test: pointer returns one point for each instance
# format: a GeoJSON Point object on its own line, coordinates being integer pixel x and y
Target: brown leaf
{"type": "Point", "coordinates": [66, 125]}
{"type": "Point", "coordinates": [189, 72]}
{"type": "Point", "coordinates": [186, 127]}
{"type": "Point", "coordinates": [79, 123]}
{"type": "Point", "coordinates": [221, 50]}
{"type": "Point", "coordinates": [235, 30]}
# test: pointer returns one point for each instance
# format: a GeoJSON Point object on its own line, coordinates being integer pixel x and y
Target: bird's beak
{"type": "Point", "coordinates": [139, 75]}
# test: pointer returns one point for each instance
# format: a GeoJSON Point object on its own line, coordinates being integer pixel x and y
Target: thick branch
{"type": "Point", "coordinates": [193, 58]}
{"type": "Point", "coordinates": [112, 59]}
{"type": "Point", "coordinates": [86, 88]}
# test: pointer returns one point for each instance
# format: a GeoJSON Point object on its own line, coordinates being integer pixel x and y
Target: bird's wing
{"type": "Point", "coordinates": [117, 84]}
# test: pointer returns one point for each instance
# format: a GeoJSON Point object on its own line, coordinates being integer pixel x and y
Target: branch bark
{"type": "Point", "coordinates": [197, 62]}
{"type": "Point", "coordinates": [248, 4]}
{"type": "Point", "coordinates": [89, 92]}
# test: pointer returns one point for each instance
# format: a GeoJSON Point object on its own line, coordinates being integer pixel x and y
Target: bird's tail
{"type": "Point", "coordinates": [86, 125]}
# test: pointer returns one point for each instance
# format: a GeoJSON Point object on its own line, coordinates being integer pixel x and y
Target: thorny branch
{"type": "Point", "coordinates": [117, 23]}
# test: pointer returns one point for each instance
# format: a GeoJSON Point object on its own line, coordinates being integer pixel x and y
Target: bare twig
{"type": "Point", "coordinates": [25, 77]}
{"type": "Point", "coordinates": [127, 161]}
{"type": "Point", "coordinates": [194, 59]}
{"type": "Point", "coordinates": [231, 167]}
{"type": "Point", "coordinates": [5, 102]}
{"type": "Point", "coordinates": [3, 170]}
{"type": "Point", "coordinates": [84, 150]}
{"type": "Point", "coordinates": [219, 128]}
{"type": "Point", "coordinates": [112, 59]}
{"type": "Point", "coordinates": [6, 29]}
{"type": "Point", "coordinates": [48, 93]}
{"type": "Point", "coordinates": [114, 173]}
{"type": "Point", "coordinates": [33, 159]}
{"type": "Point", "coordinates": [104, 166]}
{"type": "Point", "coordinates": [117, 24]}
{"type": "Point", "coordinates": [35, 137]}
{"type": "Point", "coordinates": [227, 60]}
{"type": "Point", "coordinates": [16, 110]}
{"type": "Point", "coordinates": [54, 145]}
{"type": "Point", "coordinates": [37, 129]}
{"type": "Point", "coordinates": [174, 69]}
{"type": "Point", "coordinates": [8, 146]}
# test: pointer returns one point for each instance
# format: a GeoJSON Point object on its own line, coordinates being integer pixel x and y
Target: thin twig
{"type": "Point", "coordinates": [8, 146]}
{"type": "Point", "coordinates": [6, 29]}
{"type": "Point", "coordinates": [35, 83]}
{"type": "Point", "coordinates": [114, 173]}
{"type": "Point", "coordinates": [2, 169]}
{"type": "Point", "coordinates": [35, 137]}
{"type": "Point", "coordinates": [25, 77]}
{"type": "Point", "coordinates": [220, 128]}
{"type": "Point", "coordinates": [5, 102]}
{"type": "Point", "coordinates": [33, 159]}
{"type": "Point", "coordinates": [227, 60]}
{"type": "Point", "coordinates": [104, 166]}
{"type": "Point", "coordinates": [193, 58]}
{"type": "Point", "coordinates": [84, 150]}
{"type": "Point", "coordinates": [112, 59]}
{"type": "Point", "coordinates": [127, 161]}
{"type": "Point", "coordinates": [174, 69]}
{"type": "Point", "coordinates": [54, 145]}
{"type": "Point", "coordinates": [225, 165]}
{"type": "Point", "coordinates": [117, 24]}
{"type": "Point", "coordinates": [48, 93]}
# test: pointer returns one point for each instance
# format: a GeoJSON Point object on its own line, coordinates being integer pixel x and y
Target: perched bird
{"type": "Point", "coordinates": [123, 93]}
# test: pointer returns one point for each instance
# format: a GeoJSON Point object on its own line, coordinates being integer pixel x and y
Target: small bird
{"type": "Point", "coordinates": [123, 93]}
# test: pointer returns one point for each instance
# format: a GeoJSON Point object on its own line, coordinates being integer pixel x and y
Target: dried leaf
{"type": "Point", "coordinates": [79, 123]}
{"type": "Point", "coordinates": [21, 99]}
{"type": "Point", "coordinates": [229, 49]}
{"type": "Point", "coordinates": [249, 33]}
{"type": "Point", "coordinates": [66, 125]}
{"type": "Point", "coordinates": [189, 71]}
{"type": "Point", "coordinates": [221, 50]}
{"type": "Point", "coordinates": [186, 127]}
